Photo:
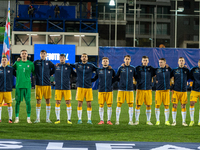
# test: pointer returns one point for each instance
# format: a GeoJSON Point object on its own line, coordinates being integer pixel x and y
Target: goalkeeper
{"type": "Point", "coordinates": [23, 68]}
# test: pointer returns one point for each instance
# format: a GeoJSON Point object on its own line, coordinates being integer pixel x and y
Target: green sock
{"type": "Point", "coordinates": [28, 109]}
{"type": "Point", "coordinates": [17, 106]}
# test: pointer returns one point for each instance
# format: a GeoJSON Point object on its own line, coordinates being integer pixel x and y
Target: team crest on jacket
{"type": "Point", "coordinates": [100, 71]}
{"type": "Point", "coordinates": [148, 68]}
{"type": "Point", "coordinates": [177, 72]}
{"type": "Point", "coordinates": [46, 63]}
{"type": "Point", "coordinates": [108, 71]}
{"type": "Point", "coordinates": [140, 69]}
{"type": "Point", "coordinates": [185, 71]}
{"type": "Point", "coordinates": [130, 70]}
{"type": "Point", "coordinates": [66, 68]}
{"type": "Point", "coordinates": [196, 70]}
{"type": "Point", "coordinates": [88, 67]}
{"type": "Point", "coordinates": [8, 71]}
{"type": "Point", "coordinates": [166, 69]}
{"type": "Point", "coordinates": [159, 70]}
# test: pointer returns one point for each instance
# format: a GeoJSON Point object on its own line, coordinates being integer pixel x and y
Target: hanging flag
{"type": "Point", "coordinates": [6, 43]}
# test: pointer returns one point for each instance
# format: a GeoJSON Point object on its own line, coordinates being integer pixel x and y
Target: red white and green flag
{"type": "Point", "coordinates": [6, 43]}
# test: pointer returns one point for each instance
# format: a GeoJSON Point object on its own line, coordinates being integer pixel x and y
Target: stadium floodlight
{"type": "Point", "coordinates": [180, 9]}
{"type": "Point", "coordinates": [79, 35]}
{"type": "Point", "coordinates": [112, 3]}
{"type": "Point", "coordinates": [31, 34]}
{"type": "Point", "coordinates": [54, 35]}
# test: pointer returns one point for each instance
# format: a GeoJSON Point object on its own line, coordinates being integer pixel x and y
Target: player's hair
{"type": "Point", "coordinates": [163, 59]}
{"type": "Point", "coordinates": [127, 56]}
{"type": "Point", "coordinates": [63, 55]}
{"type": "Point", "coordinates": [105, 58]}
{"type": "Point", "coordinates": [4, 56]}
{"type": "Point", "coordinates": [23, 50]}
{"type": "Point", "coordinates": [145, 57]}
{"type": "Point", "coordinates": [199, 60]}
{"type": "Point", "coordinates": [84, 54]}
{"type": "Point", "coordinates": [181, 58]}
{"type": "Point", "coordinates": [43, 51]}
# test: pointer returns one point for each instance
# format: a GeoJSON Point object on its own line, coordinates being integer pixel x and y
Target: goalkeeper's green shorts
{"type": "Point", "coordinates": [21, 93]}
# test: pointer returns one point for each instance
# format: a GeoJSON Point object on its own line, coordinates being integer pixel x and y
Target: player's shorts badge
{"type": "Point", "coordinates": [27, 65]}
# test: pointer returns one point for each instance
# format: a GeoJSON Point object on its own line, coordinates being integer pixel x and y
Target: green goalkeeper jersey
{"type": "Point", "coordinates": [23, 73]}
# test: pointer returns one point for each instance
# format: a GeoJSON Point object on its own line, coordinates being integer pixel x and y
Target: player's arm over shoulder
{"type": "Point", "coordinates": [15, 65]}
{"type": "Point", "coordinates": [94, 68]}
{"type": "Point", "coordinates": [32, 68]}
{"type": "Point", "coordinates": [191, 73]}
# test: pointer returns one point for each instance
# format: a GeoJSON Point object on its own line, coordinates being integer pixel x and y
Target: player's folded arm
{"type": "Point", "coordinates": [73, 73]}
{"type": "Point", "coordinates": [95, 77]}
{"type": "Point", "coordinates": [191, 74]}
{"type": "Point", "coordinates": [52, 68]}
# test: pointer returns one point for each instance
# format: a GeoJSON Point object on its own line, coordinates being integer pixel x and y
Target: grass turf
{"type": "Point", "coordinates": [95, 132]}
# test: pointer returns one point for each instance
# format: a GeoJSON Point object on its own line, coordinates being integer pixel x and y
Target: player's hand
{"type": "Point", "coordinates": [18, 59]}
{"type": "Point", "coordinates": [57, 64]}
{"type": "Point", "coordinates": [68, 64]}
{"type": "Point", "coordinates": [167, 66]}
{"type": "Point", "coordinates": [109, 67]}
{"type": "Point", "coordinates": [123, 65]}
{"type": "Point", "coordinates": [185, 66]}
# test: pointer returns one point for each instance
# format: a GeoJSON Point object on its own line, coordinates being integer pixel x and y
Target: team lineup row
{"type": "Point", "coordinates": [125, 75]}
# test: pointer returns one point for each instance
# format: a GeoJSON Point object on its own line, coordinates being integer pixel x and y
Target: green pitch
{"type": "Point", "coordinates": [95, 132]}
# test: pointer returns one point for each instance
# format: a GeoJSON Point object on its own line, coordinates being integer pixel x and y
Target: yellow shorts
{"type": "Point", "coordinates": [194, 96]}
{"type": "Point", "coordinates": [182, 96]}
{"type": "Point", "coordinates": [60, 93]}
{"type": "Point", "coordinates": [125, 95]}
{"type": "Point", "coordinates": [6, 96]}
{"type": "Point", "coordinates": [105, 97]}
{"type": "Point", "coordinates": [144, 96]}
{"type": "Point", "coordinates": [162, 96]}
{"type": "Point", "coordinates": [82, 93]}
{"type": "Point", "coordinates": [41, 91]}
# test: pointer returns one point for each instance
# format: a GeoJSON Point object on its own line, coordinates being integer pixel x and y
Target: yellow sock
{"type": "Point", "coordinates": [48, 104]}
{"type": "Point", "coordinates": [79, 108]}
{"type": "Point", "coordinates": [174, 109]}
{"type": "Point", "coordinates": [148, 108]}
{"type": "Point", "coordinates": [57, 105]}
{"type": "Point", "coordinates": [68, 105]}
{"type": "Point", "coordinates": [89, 109]}
{"type": "Point", "coordinates": [138, 108]}
{"type": "Point", "coordinates": [38, 105]}
{"type": "Point", "coordinates": [183, 109]}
